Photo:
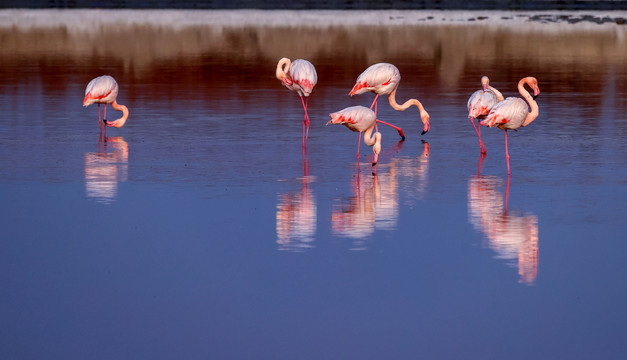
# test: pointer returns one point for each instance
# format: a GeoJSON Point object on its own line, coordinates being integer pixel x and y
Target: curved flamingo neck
{"type": "Point", "coordinates": [120, 122]}
{"type": "Point", "coordinates": [406, 104]}
{"type": "Point", "coordinates": [370, 138]}
{"type": "Point", "coordinates": [535, 111]}
{"type": "Point", "coordinates": [499, 96]}
{"type": "Point", "coordinates": [424, 116]}
{"type": "Point", "coordinates": [283, 68]}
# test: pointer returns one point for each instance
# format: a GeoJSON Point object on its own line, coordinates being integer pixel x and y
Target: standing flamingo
{"type": "Point", "coordinates": [383, 78]}
{"type": "Point", "coordinates": [104, 90]}
{"type": "Point", "coordinates": [298, 75]}
{"type": "Point", "coordinates": [480, 104]}
{"type": "Point", "coordinates": [512, 113]}
{"type": "Point", "coordinates": [360, 118]}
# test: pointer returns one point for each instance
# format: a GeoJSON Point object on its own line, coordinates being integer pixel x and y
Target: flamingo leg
{"type": "Point", "coordinates": [358, 145]}
{"type": "Point", "coordinates": [400, 131]}
{"type": "Point", "coordinates": [482, 148]}
{"type": "Point", "coordinates": [506, 153]}
{"type": "Point", "coordinates": [506, 194]}
{"type": "Point", "coordinates": [305, 121]}
{"type": "Point", "coordinates": [375, 104]}
{"type": "Point", "coordinates": [99, 120]}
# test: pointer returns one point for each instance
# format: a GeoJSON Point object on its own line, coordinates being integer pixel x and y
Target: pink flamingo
{"type": "Point", "coordinates": [480, 104]}
{"type": "Point", "coordinates": [361, 119]}
{"type": "Point", "coordinates": [512, 113]}
{"type": "Point", "coordinates": [383, 78]}
{"type": "Point", "coordinates": [298, 75]}
{"type": "Point", "coordinates": [104, 90]}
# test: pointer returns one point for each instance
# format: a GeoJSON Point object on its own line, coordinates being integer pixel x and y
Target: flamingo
{"type": "Point", "coordinates": [383, 78]}
{"type": "Point", "coordinates": [480, 104]}
{"type": "Point", "coordinates": [512, 113]}
{"type": "Point", "coordinates": [298, 75]}
{"type": "Point", "coordinates": [104, 90]}
{"type": "Point", "coordinates": [362, 119]}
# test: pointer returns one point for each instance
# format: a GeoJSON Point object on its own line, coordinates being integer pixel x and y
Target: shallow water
{"type": "Point", "coordinates": [201, 229]}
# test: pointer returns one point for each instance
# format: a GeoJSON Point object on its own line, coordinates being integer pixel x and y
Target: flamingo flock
{"type": "Point", "coordinates": [487, 104]}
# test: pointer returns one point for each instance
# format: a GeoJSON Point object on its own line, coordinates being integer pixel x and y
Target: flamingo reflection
{"type": "Point", "coordinates": [513, 236]}
{"type": "Point", "coordinates": [416, 171]}
{"type": "Point", "coordinates": [373, 206]}
{"type": "Point", "coordinates": [104, 169]}
{"type": "Point", "coordinates": [296, 215]}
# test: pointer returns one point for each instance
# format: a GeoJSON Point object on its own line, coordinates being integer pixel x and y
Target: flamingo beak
{"type": "Point", "coordinates": [536, 92]}
{"type": "Point", "coordinates": [426, 128]}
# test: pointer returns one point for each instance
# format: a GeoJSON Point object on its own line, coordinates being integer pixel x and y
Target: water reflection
{"type": "Point", "coordinates": [513, 236]}
{"type": "Point", "coordinates": [416, 171]}
{"type": "Point", "coordinates": [105, 168]}
{"type": "Point", "coordinates": [373, 205]}
{"type": "Point", "coordinates": [296, 215]}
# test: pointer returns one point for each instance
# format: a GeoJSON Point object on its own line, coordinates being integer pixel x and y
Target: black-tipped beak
{"type": "Point", "coordinates": [534, 96]}
{"type": "Point", "coordinates": [373, 164]}
{"type": "Point", "coordinates": [104, 121]}
{"type": "Point", "coordinates": [423, 132]}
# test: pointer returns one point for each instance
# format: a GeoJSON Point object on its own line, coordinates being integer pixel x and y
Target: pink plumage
{"type": "Point", "coordinates": [363, 120]}
{"type": "Point", "coordinates": [104, 90]}
{"type": "Point", "coordinates": [480, 104]}
{"type": "Point", "coordinates": [300, 76]}
{"type": "Point", "coordinates": [383, 79]}
{"type": "Point", "coordinates": [512, 113]}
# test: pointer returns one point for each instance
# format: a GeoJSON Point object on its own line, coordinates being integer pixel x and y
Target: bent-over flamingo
{"type": "Point", "coordinates": [383, 79]}
{"type": "Point", "coordinates": [298, 75]}
{"type": "Point", "coordinates": [104, 90]}
{"type": "Point", "coordinates": [480, 104]}
{"type": "Point", "coordinates": [512, 113]}
{"type": "Point", "coordinates": [360, 119]}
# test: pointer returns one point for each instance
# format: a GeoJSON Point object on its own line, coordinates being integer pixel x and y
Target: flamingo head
{"type": "Point", "coordinates": [484, 82]}
{"type": "Point", "coordinates": [424, 116]}
{"type": "Point", "coordinates": [376, 148]}
{"type": "Point", "coordinates": [282, 70]}
{"type": "Point", "coordinates": [533, 83]}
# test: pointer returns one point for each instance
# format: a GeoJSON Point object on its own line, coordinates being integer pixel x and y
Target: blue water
{"type": "Point", "coordinates": [202, 230]}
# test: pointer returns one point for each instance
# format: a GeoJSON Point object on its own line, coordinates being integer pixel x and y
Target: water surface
{"type": "Point", "coordinates": [201, 229]}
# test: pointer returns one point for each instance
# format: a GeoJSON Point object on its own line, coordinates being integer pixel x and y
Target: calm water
{"type": "Point", "coordinates": [201, 229]}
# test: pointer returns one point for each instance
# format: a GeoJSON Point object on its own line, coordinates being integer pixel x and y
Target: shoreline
{"type": "Point", "coordinates": [92, 19]}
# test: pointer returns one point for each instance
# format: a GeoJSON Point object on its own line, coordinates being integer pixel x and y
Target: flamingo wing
{"type": "Point", "coordinates": [508, 114]}
{"type": "Point", "coordinates": [381, 78]}
{"type": "Point", "coordinates": [103, 89]}
{"type": "Point", "coordinates": [356, 118]}
{"type": "Point", "coordinates": [481, 102]}
{"type": "Point", "coordinates": [304, 76]}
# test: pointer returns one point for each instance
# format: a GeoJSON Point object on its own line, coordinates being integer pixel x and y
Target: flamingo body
{"type": "Point", "coordinates": [513, 113]}
{"type": "Point", "coordinates": [104, 90]}
{"type": "Point", "coordinates": [509, 114]}
{"type": "Point", "coordinates": [381, 78]}
{"type": "Point", "coordinates": [300, 76]}
{"type": "Point", "coordinates": [480, 104]}
{"type": "Point", "coordinates": [360, 119]}
{"type": "Point", "coordinates": [304, 77]}
{"type": "Point", "coordinates": [101, 90]}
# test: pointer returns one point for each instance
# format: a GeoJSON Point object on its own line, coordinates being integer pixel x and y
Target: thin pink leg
{"type": "Point", "coordinates": [400, 131]}
{"type": "Point", "coordinates": [506, 194]}
{"type": "Point", "coordinates": [99, 120]}
{"type": "Point", "coordinates": [506, 153]}
{"type": "Point", "coordinates": [478, 131]}
{"type": "Point", "coordinates": [358, 146]}
{"type": "Point", "coordinates": [374, 103]}
{"type": "Point", "coordinates": [305, 122]}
